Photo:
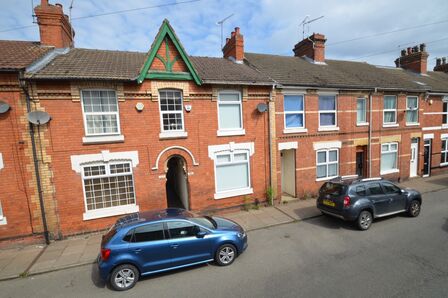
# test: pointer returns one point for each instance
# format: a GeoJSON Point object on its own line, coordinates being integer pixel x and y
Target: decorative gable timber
{"type": "Point", "coordinates": [167, 36]}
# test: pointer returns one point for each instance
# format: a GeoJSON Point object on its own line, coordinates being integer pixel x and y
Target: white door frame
{"type": "Point", "coordinates": [413, 166]}
{"type": "Point", "coordinates": [285, 174]}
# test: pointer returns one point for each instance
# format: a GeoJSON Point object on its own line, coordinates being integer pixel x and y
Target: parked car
{"type": "Point", "coordinates": [362, 200]}
{"type": "Point", "coordinates": [155, 241]}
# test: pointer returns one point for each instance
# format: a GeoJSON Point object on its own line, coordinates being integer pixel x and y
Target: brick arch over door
{"type": "Point", "coordinates": [176, 150]}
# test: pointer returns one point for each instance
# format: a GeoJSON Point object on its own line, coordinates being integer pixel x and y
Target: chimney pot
{"type": "Point", "coordinates": [415, 49]}
{"type": "Point", "coordinates": [403, 53]}
{"type": "Point", "coordinates": [409, 50]}
{"type": "Point", "coordinates": [443, 60]}
{"type": "Point", "coordinates": [422, 47]}
{"type": "Point", "coordinates": [237, 30]}
{"type": "Point", "coordinates": [44, 2]}
{"type": "Point", "coordinates": [232, 34]}
{"type": "Point", "coordinates": [438, 61]}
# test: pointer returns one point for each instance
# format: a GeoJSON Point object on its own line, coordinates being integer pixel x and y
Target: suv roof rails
{"type": "Point", "coordinates": [346, 177]}
{"type": "Point", "coordinates": [370, 179]}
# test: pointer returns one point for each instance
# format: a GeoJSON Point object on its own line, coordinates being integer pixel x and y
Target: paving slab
{"type": "Point", "coordinates": [14, 262]}
{"type": "Point", "coordinates": [301, 209]}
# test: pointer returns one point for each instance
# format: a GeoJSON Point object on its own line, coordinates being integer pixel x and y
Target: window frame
{"type": "Point", "coordinates": [84, 113]}
{"type": "Point", "coordinates": [445, 112]}
{"type": "Point", "coordinates": [230, 131]}
{"type": "Point", "coordinates": [113, 210]}
{"type": "Point", "coordinates": [389, 150]}
{"type": "Point", "coordinates": [335, 112]}
{"type": "Point", "coordinates": [295, 128]}
{"type": "Point", "coordinates": [161, 113]}
{"type": "Point", "coordinates": [395, 123]}
{"type": "Point", "coordinates": [232, 192]}
{"type": "Point", "coordinates": [327, 163]}
{"type": "Point", "coordinates": [164, 232]}
{"type": "Point", "coordinates": [365, 122]}
{"type": "Point", "coordinates": [409, 110]}
{"type": "Point", "coordinates": [443, 164]}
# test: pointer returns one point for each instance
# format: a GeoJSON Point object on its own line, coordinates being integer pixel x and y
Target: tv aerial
{"type": "Point", "coordinates": [221, 23]}
{"type": "Point", "coordinates": [4, 107]}
{"type": "Point", "coordinates": [38, 117]}
{"type": "Point", "coordinates": [306, 23]}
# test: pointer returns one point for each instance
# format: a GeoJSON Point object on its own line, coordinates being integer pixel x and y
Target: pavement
{"type": "Point", "coordinates": [83, 250]}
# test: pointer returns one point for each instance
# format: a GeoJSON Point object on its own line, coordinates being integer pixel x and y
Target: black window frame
{"type": "Point", "coordinates": [164, 231]}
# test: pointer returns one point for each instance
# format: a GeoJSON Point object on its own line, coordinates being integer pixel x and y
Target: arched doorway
{"type": "Point", "coordinates": [177, 183]}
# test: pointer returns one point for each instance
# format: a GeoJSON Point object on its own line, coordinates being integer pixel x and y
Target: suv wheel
{"type": "Point", "coordinates": [124, 277]}
{"type": "Point", "coordinates": [414, 208]}
{"type": "Point", "coordinates": [364, 220]}
{"type": "Point", "coordinates": [225, 255]}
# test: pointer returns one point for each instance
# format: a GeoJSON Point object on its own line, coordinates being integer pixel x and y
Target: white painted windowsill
{"type": "Point", "coordinates": [103, 139]}
{"type": "Point", "coordinates": [112, 211]}
{"type": "Point", "coordinates": [444, 164]}
{"type": "Point", "coordinates": [329, 128]}
{"type": "Point", "coordinates": [412, 124]}
{"type": "Point", "coordinates": [326, 178]}
{"type": "Point", "coordinates": [362, 124]}
{"type": "Point", "coordinates": [173, 134]}
{"type": "Point", "coordinates": [3, 221]}
{"type": "Point", "coordinates": [444, 126]}
{"type": "Point", "coordinates": [231, 132]}
{"type": "Point", "coordinates": [390, 172]}
{"type": "Point", "coordinates": [390, 125]}
{"type": "Point", "coordinates": [295, 130]}
{"type": "Point", "coordinates": [233, 193]}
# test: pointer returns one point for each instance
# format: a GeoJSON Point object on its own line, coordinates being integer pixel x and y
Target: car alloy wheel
{"type": "Point", "coordinates": [124, 277]}
{"type": "Point", "coordinates": [226, 255]}
{"type": "Point", "coordinates": [364, 220]}
{"type": "Point", "coordinates": [414, 208]}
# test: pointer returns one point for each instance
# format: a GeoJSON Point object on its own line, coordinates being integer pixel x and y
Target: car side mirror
{"type": "Point", "coordinates": [403, 191]}
{"type": "Point", "coordinates": [201, 234]}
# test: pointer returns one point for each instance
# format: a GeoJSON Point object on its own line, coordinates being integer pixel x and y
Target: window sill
{"type": "Point", "coordinates": [233, 193]}
{"type": "Point", "coordinates": [390, 125]}
{"type": "Point", "coordinates": [233, 132]}
{"type": "Point", "coordinates": [173, 135]}
{"type": "Point", "coordinates": [444, 164]}
{"type": "Point", "coordinates": [444, 126]}
{"type": "Point", "coordinates": [390, 172]}
{"type": "Point", "coordinates": [3, 221]}
{"type": "Point", "coordinates": [295, 130]}
{"type": "Point", "coordinates": [362, 124]}
{"type": "Point", "coordinates": [330, 128]}
{"type": "Point", "coordinates": [103, 139]}
{"type": "Point", "coordinates": [112, 211]}
{"type": "Point", "coordinates": [412, 124]}
{"type": "Point", "coordinates": [326, 178]}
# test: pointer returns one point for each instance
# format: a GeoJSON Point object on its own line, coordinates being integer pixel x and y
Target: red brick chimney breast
{"type": "Point", "coordinates": [312, 47]}
{"type": "Point", "coordinates": [414, 59]}
{"type": "Point", "coordinates": [54, 26]}
{"type": "Point", "coordinates": [234, 47]}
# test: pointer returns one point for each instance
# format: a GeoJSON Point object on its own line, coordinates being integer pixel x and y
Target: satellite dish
{"type": "Point", "coordinates": [38, 117]}
{"type": "Point", "coordinates": [4, 107]}
{"type": "Point", "coordinates": [262, 107]}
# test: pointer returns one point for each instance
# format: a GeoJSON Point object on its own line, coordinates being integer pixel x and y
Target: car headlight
{"type": "Point", "coordinates": [241, 235]}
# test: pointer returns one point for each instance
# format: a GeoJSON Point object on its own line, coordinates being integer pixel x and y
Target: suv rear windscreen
{"type": "Point", "coordinates": [333, 189]}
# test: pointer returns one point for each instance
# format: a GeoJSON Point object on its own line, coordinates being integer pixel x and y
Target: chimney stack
{"type": "Point", "coordinates": [312, 47]}
{"type": "Point", "coordinates": [54, 26]}
{"type": "Point", "coordinates": [441, 65]}
{"type": "Point", "coordinates": [234, 47]}
{"type": "Point", "coordinates": [414, 59]}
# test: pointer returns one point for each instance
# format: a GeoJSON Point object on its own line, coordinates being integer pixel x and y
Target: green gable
{"type": "Point", "coordinates": [166, 33]}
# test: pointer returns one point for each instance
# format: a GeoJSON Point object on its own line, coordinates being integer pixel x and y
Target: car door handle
{"type": "Point", "coordinates": [174, 245]}
{"type": "Point", "coordinates": [137, 250]}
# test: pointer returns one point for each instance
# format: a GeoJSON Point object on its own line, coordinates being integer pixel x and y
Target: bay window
{"type": "Point", "coordinates": [390, 110]}
{"type": "Point", "coordinates": [327, 163]}
{"type": "Point", "coordinates": [389, 158]}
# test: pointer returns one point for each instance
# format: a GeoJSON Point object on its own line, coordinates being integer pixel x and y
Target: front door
{"type": "Point", "coordinates": [288, 172]}
{"type": "Point", "coordinates": [186, 247]}
{"type": "Point", "coordinates": [414, 158]}
{"type": "Point", "coordinates": [427, 158]}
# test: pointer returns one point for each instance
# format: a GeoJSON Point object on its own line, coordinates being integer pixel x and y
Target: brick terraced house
{"type": "Point", "coordinates": [136, 131]}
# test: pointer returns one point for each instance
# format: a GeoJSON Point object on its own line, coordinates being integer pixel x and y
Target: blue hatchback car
{"type": "Point", "coordinates": [155, 241]}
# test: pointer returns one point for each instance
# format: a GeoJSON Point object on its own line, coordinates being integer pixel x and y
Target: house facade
{"type": "Point", "coordinates": [118, 132]}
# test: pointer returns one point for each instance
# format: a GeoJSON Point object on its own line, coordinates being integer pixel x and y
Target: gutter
{"type": "Point", "coordinates": [36, 163]}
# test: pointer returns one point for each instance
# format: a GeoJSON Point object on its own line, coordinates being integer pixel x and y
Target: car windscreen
{"type": "Point", "coordinates": [106, 237]}
{"type": "Point", "coordinates": [205, 221]}
{"type": "Point", "coordinates": [333, 189]}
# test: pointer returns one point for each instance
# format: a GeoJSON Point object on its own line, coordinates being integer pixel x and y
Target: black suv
{"type": "Point", "coordinates": [361, 200]}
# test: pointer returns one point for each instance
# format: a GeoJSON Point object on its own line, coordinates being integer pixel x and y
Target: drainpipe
{"type": "Point", "coordinates": [370, 131]}
{"type": "Point", "coordinates": [271, 152]}
{"type": "Point", "coordinates": [36, 165]}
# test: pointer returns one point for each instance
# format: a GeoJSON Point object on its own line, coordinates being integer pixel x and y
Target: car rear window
{"type": "Point", "coordinates": [333, 189]}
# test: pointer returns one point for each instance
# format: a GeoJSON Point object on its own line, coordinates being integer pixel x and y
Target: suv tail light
{"type": "Point", "coordinates": [346, 201]}
{"type": "Point", "coordinates": [105, 254]}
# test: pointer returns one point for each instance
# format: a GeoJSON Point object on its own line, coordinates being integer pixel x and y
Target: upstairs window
{"type": "Point", "coordinates": [445, 113]}
{"type": "Point", "coordinates": [390, 110]}
{"type": "Point", "coordinates": [361, 111]}
{"type": "Point", "coordinates": [100, 109]}
{"type": "Point", "coordinates": [444, 159]}
{"type": "Point", "coordinates": [327, 110]}
{"type": "Point", "coordinates": [412, 110]}
{"type": "Point", "coordinates": [171, 110]}
{"type": "Point", "coordinates": [230, 112]}
{"type": "Point", "coordinates": [294, 111]}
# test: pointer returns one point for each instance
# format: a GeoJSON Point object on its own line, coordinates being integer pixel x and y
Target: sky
{"type": "Point", "coordinates": [268, 26]}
